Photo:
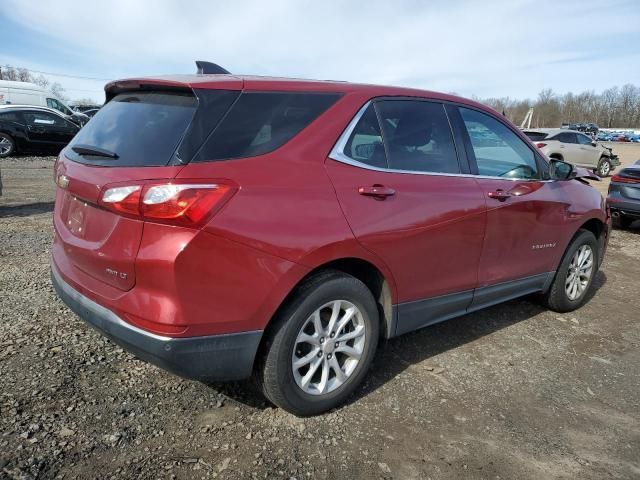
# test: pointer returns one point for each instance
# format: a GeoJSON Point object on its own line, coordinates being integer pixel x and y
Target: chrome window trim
{"type": "Point", "coordinates": [337, 154]}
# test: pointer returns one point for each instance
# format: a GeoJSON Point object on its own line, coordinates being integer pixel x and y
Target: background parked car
{"type": "Point", "coordinates": [33, 129]}
{"type": "Point", "coordinates": [624, 195]}
{"type": "Point", "coordinates": [24, 93]}
{"type": "Point", "coordinates": [574, 147]}
{"type": "Point", "coordinates": [91, 113]}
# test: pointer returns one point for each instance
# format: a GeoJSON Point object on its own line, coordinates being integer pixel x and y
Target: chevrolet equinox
{"type": "Point", "coordinates": [223, 227]}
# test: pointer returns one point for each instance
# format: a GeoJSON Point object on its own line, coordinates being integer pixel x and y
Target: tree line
{"type": "Point", "coordinates": [24, 75]}
{"type": "Point", "coordinates": [615, 107]}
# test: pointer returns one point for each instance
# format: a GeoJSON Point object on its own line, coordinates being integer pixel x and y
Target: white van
{"type": "Point", "coordinates": [24, 93]}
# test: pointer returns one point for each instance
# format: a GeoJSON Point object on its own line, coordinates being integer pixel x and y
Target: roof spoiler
{"type": "Point", "coordinates": [210, 68]}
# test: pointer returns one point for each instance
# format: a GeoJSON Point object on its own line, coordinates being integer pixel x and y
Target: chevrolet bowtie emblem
{"type": "Point", "coordinates": [63, 181]}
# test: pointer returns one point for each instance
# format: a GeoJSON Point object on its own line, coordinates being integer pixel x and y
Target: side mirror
{"type": "Point", "coordinates": [594, 144]}
{"type": "Point", "coordinates": [559, 170]}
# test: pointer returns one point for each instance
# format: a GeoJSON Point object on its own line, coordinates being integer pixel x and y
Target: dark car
{"type": "Point", "coordinates": [280, 228]}
{"type": "Point", "coordinates": [34, 130]}
{"type": "Point", "coordinates": [90, 113]}
{"type": "Point", "coordinates": [624, 195]}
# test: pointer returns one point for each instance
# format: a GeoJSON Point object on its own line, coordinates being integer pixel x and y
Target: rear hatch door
{"type": "Point", "coordinates": [139, 135]}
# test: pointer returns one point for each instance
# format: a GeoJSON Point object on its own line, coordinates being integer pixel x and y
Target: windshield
{"type": "Point", "coordinates": [58, 105]}
{"type": "Point", "coordinates": [141, 128]}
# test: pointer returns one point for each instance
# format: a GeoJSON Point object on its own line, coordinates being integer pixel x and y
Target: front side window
{"type": "Point", "coordinates": [417, 136]}
{"type": "Point", "coordinates": [583, 139]}
{"type": "Point", "coordinates": [42, 119]}
{"type": "Point", "coordinates": [498, 151]}
{"type": "Point", "coordinates": [365, 143]}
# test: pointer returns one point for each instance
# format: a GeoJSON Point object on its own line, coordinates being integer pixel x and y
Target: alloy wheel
{"type": "Point", "coordinates": [328, 347]}
{"type": "Point", "coordinates": [605, 168]}
{"type": "Point", "coordinates": [5, 146]}
{"type": "Point", "coordinates": [579, 273]}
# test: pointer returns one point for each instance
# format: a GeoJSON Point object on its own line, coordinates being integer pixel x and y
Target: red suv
{"type": "Point", "coordinates": [222, 226]}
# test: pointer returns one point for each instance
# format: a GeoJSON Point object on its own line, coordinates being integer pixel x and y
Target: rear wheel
{"type": "Point", "coordinates": [604, 167]}
{"type": "Point", "coordinates": [322, 344]}
{"type": "Point", "coordinates": [7, 145]}
{"type": "Point", "coordinates": [575, 274]}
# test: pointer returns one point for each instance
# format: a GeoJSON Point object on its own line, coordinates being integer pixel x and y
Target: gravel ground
{"type": "Point", "coordinates": [511, 392]}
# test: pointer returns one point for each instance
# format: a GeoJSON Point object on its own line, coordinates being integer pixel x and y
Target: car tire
{"type": "Point", "coordinates": [604, 167]}
{"type": "Point", "coordinates": [561, 296]}
{"type": "Point", "coordinates": [282, 382]}
{"type": "Point", "coordinates": [7, 145]}
{"type": "Point", "coordinates": [623, 222]}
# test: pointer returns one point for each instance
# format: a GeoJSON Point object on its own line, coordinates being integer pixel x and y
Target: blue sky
{"type": "Point", "coordinates": [490, 49]}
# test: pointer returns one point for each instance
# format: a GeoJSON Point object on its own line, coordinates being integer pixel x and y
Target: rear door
{"type": "Point", "coordinates": [526, 214]}
{"type": "Point", "coordinates": [147, 131]}
{"type": "Point", "coordinates": [408, 200]}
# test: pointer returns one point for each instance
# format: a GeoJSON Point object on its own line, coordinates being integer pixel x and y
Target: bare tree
{"type": "Point", "coordinates": [614, 107]}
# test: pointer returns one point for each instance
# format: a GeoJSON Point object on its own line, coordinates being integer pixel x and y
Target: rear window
{"type": "Point", "coordinates": [536, 136]}
{"type": "Point", "coordinates": [260, 122]}
{"type": "Point", "coordinates": [142, 128]}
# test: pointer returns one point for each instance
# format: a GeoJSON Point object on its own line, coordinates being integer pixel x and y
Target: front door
{"type": "Point", "coordinates": [402, 193]}
{"type": "Point", "coordinates": [526, 214]}
{"type": "Point", "coordinates": [589, 155]}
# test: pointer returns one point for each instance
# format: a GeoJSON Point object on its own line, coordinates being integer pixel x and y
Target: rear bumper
{"type": "Point", "coordinates": [623, 206]}
{"type": "Point", "coordinates": [206, 358]}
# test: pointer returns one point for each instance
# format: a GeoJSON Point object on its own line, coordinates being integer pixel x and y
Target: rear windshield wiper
{"type": "Point", "coordinates": [94, 151]}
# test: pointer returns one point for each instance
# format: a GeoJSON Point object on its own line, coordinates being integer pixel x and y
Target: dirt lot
{"type": "Point", "coordinates": [511, 392]}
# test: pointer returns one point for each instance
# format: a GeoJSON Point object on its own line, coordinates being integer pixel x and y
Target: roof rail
{"type": "Point", "coordinates": [208, 67]}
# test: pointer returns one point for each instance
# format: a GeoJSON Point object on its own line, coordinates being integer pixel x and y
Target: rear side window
{"type": "Point", "coordinates": [260, 122]}
{"type": "Point", "coordinates": [566, 137]}
{"type": "Point", "coordinates": [498, 151]}
{"type": "Point", "coordinates": [418, 136]}
{"type": "Point", "coordinates": [536, 136]}
{"type": "Point", "coordinates": [142, 128]}
{"type": "Point", "coordinates": [10, 117]}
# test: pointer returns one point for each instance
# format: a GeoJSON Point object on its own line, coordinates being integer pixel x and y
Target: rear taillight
{"type": "Point", "coordinates": [541, 145]}
{"type": "Point", "coordinates": [621, 179]}
{"type": "Point", "coordinates": [187, 204]}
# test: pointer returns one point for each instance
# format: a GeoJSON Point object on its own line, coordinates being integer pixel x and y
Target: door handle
{"type": "Point", "coordinates": [378, 191]}
{"type": "Point", "coordinates": [500, 195]}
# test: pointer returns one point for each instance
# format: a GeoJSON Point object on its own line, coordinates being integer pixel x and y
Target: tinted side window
{"type": "Point", "coordinates": [260, 122]}
{"type": "Point", "coordinates": [566, 137]}
{"type": "Point", "coordinates": [418, 136]}
{"type": "Point", "coordinates": [498, 151]}
{"type": "Point", "coordinates": [583, 139]}
{"type": "Point", "coordinates": [365, 143]}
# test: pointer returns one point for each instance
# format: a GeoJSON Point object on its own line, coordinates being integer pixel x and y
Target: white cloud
{"type": "Point", "coordinates": [514, 47]}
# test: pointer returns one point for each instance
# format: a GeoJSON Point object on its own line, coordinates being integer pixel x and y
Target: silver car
{"type": "Point", "coordinates": [574, 147]}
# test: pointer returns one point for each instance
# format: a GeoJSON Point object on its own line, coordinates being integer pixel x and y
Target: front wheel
{"type": "Point", "coordinates": [322, 344]}
{"type": "Point", "coordinates": [575, 274]}
{"type": "Point", "coordinates": [604, 167]}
